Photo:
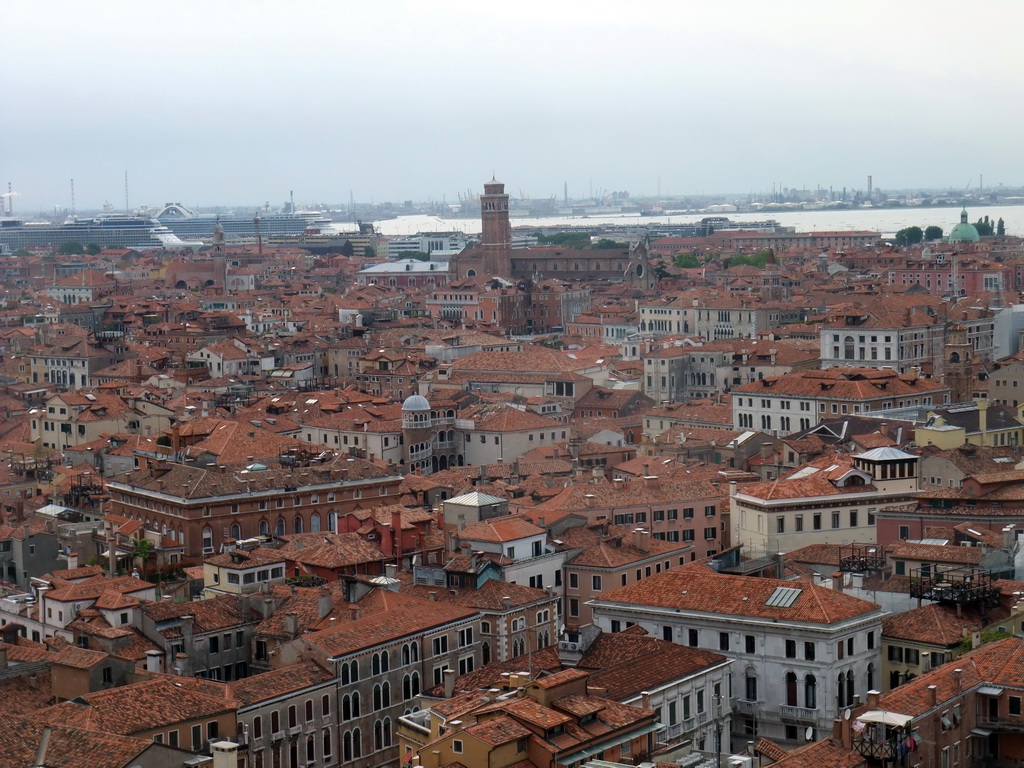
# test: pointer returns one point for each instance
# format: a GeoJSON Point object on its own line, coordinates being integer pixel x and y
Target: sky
{"type": "Point", "coordinates": [234, 103]}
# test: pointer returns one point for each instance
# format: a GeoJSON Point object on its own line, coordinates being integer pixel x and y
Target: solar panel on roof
{"type": "Point", "coordinates": [783, 597]}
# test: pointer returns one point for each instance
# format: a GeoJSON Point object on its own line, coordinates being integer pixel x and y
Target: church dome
{"type": "Point", "coordinates": [415, 403]}
{"type": "Point", "coordinates": [964, 232]}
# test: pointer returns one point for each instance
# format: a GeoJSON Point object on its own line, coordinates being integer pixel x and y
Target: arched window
{"type": "Point", "coordinates": [279, 528]}
{"type": "Point", "coordinates": [355, 704]}
{"type": "Point", "coordinates": [378, 735]}
{"type": "Point", "coordinates": [387, 731]}
{"type": "Point", "coordinates": [354, 670]}
{"type": "Point", "coordinates": [486, 651]}
{"type": "Point", "coordinates": [810, 692]}
{"type": "Point", "coordinates": [298, 524]}
{"type": "Point", "coordinates": [841, 690]}
{"type": "Point", "coordinates": [346, 707]}
{"type": "Point", "coordinates": [357, 743]}
{"type": "Point", "coordinates": [406, 688]}
{"type": "Point", "coordinates": [327, 742]}
{"type": "Point", "coordinates": [415, 683]}
{"type": "Point", "coordinates": [375, 664]}
{"type": "Point", "coordinates": [236, 531]}
{"type": "Point", "coordinates": [325, 705]}
{"type": "Point", "coordinates": [848, 348]}
{"type": "Point", "coordinates": [346, 746]}
{"type": "Point", "coordinates": [309, 710]}
{"type": "Point", "coordinates": [264, 528]}
{"type": "Point", "coordinates": [791, 689]}
{"type": "Point", "coordinates": [314, 523]}
{"type": "Point", "coordinates": [208, 538]}
{"type": "Point", "coordinates": [332, 522]}
{"type": "Point", "coordinates": [310, 749]}
{"type": "Point", "coordinates": [257, 727]}
{"type": "Point", "coordinates": [385, 695]}
{"type": "Point", "coordinates": [377, 697]}
{"type": "Point", "coordinates": [871, 677]}
{"type": "Point", "coordinates": [385, 661]}
{"type": "Point", "coordinates": [405, 654]}
{"type": "Point", "coordinates": [849, 688]}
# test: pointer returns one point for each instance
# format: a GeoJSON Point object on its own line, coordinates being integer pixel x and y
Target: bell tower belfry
{"type": "Point", "coordinates": [496, 239]}
{"type": "Point", "coordinates": [958, 372]}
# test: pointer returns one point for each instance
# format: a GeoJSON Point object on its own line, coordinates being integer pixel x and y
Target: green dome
{"type": "Point", "coordinates": [964, 232]}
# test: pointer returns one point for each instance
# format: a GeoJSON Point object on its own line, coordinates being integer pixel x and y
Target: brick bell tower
{"type": "Point", "coordinates": [496, 239]}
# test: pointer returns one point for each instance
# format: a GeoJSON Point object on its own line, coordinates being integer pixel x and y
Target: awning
{"type": "Point", "coordinates": [980, 732]}
{"type": "Point", "coordinates": [887, 718]}
{"type": "Point", "coordinates": [990, 690]}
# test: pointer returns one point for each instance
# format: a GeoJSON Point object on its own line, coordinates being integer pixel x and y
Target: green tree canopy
{"type": "Point", "coordinates": [758, 260]}
{"type": "Point", "coordinates": [932, 233]}
{"type": "Point", "coordinates": [71, 248]}
{"type": "Point", "coordinates": [1001, 228]}
{"type": "Point", "coordinates": [909, 236]}
{"type": "Point", "coordinates": [567, 239]}
{"type": "Point", "coordinates": [606, 245]}
{"type": "Point", "coordinates": [21, 253]}
{"type": "Point", "coordinates": [93, 248]}
{"type": "Point", "coordinates": [414, 255]}
{"type": "Point", "coordinates": [687, 260]}
{"type": "Point", "coordinates": [984, 227]}
{"type": "Point", "coordinates": [369, 252]}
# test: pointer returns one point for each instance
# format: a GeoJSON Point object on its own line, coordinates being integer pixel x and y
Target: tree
{"type": "Point", "coordinates": [567, 239]}
{"type": "Point", "coordinates": [71, 248]}
{"type": "Point", "coordinates": [21, 253]}
{"type": "Point", "coordinates": [932, 233]}
{"type": "Point", "coordinates": [369, 252]}
{"type": "Point", "coordinates": [758, 260]}
{"type": "Point", "coordinates": [1001, 228]}
{"type": "Point", "coordinates": [414, 255]}
{"type": "Point", "coordinates": [687, 260]}
{"type": "Point", "coordinates": [93, 248]}
{"type": "Point", "coordinates": [909, 236]}
{"type": "Point", "coordinates": [142, 550]}
{"type": "Point", "coordinates": [984, 227]}
{"type": "Point", "coordinates": [605, 244]}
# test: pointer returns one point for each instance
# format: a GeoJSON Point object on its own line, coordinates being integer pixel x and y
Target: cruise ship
{"type": "Point", "coordinates": [185, 222]}
{"type": "Point", "coordinates": [109, 230]}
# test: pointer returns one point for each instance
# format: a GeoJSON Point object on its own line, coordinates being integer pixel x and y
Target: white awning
{"type": "Point", "coordinates": [980, 732]}
{"type": "Point", "coordinates": [888, 718]}
{"type": "Point", "coordinates": [990, 690]}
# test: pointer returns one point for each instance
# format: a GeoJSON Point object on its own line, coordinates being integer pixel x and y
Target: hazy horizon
{"type": "Point", "coordinates": [235, 104]}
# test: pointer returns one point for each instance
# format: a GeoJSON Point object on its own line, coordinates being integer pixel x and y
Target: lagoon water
{"type": "Point", "coordinates": [883, 220]}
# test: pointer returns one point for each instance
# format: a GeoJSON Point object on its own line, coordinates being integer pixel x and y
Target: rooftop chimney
{"type": "Point", "coordinates": [291, 623]}
{"type": "Point", "coordinates": [225, 754]}
{"type": "Point", "coordinates": [449, 683]}
{"type": "Point", "coordinates": [933, 695]}
{"type": "Point", "coordinates": [153, 660]}
{"type": "Point", "coordinates": [324, 603]}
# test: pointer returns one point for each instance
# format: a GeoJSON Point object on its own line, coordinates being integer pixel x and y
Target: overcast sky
{"type": "Point", "coordinates": [236, 103]}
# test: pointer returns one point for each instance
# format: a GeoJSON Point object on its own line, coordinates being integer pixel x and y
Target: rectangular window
{"type": "Point", "coordinates": [197, 738]}
{"type": "Point", "coordinates": [790, 649]}
{"type": "Point", "coordinates": [817, 521]}
{"type": "Point", "coordinates": [835, 519]}
{"type": "Point", "coordinates": [750, 644]}
{"type": "Point", "coordinates": [1014, 705]}
{"type": "Point", "coordinates": [596, 583]}
{"type": "Point", "coordinates": [798, 523]}
{"type": "Point", "coordinates": [780, 524]}
{"type": "Point", "coordinates": [574, 581]}
{"type": "Point", "coordinates": [440, 645]}
{"type": "Point", "coordinates": [723, 641]}
{"type": "Point", "coordinates": [574, 607]}
{"type": "Point", "coordinates": [809, 651]}
{"type": "Point", "coordinates": [692, 637]}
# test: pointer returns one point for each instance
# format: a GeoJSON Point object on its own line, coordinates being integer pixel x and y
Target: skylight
{"type": "Point", "coordinates": [783, 597]}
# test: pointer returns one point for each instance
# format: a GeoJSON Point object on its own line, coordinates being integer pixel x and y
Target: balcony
{"type": "Point", "coordinates": [878, 750]}
{"type": "Point", "coordinates": [801, 714]}
{"type": "Point", "coordinates": [745, 707]}
{"type": "Point", "coordinates": [1001, 724]}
